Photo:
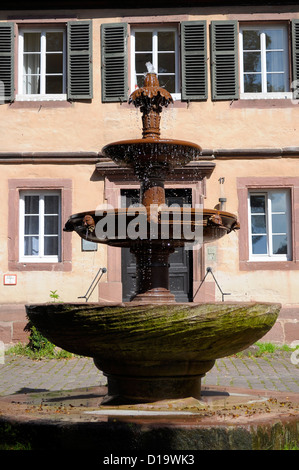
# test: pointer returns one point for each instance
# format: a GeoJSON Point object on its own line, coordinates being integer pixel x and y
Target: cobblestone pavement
{"type": "Point", "coordinates": [274, 372]}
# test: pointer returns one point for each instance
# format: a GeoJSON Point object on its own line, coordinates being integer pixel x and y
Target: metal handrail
{"type": "Point", "coordinates": [209, 270]}
{"type": "Point", "coordinates": [94, 283]}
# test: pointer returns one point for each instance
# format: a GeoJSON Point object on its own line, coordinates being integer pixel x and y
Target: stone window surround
{"type": "Point", "coordinates": [245, 184]}
{"type": "Point", "coordinates": [17, 185]}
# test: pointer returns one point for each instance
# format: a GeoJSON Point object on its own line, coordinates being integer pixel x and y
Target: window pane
{"type": "Point", "coordinates": [54, 84]}
{"type": "Point", "coordinates": [251, 40]}
{"type": "Point", "coordinates": [258, 204]}
{"type": "Point", "coordinates": [279, 201]}
{"type": "Point", "coordinates": [54, 41]}
{"type": "Point", "coordinates": [31, 204]}
{"type": "Point", "coordinates": [259, 245]}
{"type": "Point", "coordinates": [31, 85]}
{"type": "Point", "coordinates": [141, 60]}
{"type": "Point", "coordinates": [252, 62]}
{"type": "Point", "coordinates": [279, 223]}
{"type": "Point", "coordinates": [31, 225]}
{"type": "Point", "coordinates": [143, 41]}
{"type": "Point", "coordinates": [166, 40]}
{"type": "Point", "coordinates": [280, 246]}
{"type": "Point", "coordinates": [274, 39]}
{"type": "Point", "coordinates": [50, 246]}
{"type": "Point", "coordinates": [31, 81]}
{"type": "Point", "coordinates": [258, 223]}
{"type": "Point", "coordinates": [275, 82]}
{"type": "Point", "coordinates": [31, 246]}
{"type": "Point", "coordinates": [166, 63]}
{"type": "Point", "coordinates": [275, 61]}
{"type": "Point", "coordinates": [252, 83]}
{"type": "Point", "coordinates": [31, 42]}
{"type": "Point", "coordinates": [51, 224]}
{"type": "Point", "coordinates": [54, 63]}
{"type": "Point", "coordinates": [168, 82]}
{"type": "Point", "coordinates": [51, 204]}
{"type": "Point", "coordinates": [32, 64]}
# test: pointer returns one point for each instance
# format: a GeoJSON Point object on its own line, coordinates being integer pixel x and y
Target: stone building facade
{"type": "Point", "coordinates": [66, 73]}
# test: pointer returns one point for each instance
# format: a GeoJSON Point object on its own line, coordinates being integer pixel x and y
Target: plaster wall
{"type": "Point", "coordinates": [87, 126]}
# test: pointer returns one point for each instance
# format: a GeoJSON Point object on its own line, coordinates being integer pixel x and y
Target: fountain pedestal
{"type": "Point", "coordinates": [152, 272]}
{"type": "Point", "coordinates": [151, 389]}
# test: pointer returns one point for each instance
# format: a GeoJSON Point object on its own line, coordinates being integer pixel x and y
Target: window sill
{"type": "Point", "coordinates": [60, 97]}
{"type": "Point", "coordinates": [25, 266]}
{"type": "Point", "coordinates": [40, 104]}
{"type": "Point", "coordinates": [263, 103]}
{"type": "Point", "coordinates": [268, 265]}
{"type": "Point", "coordinates": [37, 260]}
{"type": "Point", "coordinates": [266, 96]}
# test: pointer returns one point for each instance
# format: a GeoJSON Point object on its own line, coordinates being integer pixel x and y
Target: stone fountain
{"type": "Point", "coordinates": [153, 348]}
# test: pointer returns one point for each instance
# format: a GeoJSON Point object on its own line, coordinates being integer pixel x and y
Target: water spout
{"type": "Point", "coordinates": [150, 67]}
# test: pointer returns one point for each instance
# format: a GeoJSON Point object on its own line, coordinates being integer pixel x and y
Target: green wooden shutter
{"type": "Point", "coordinates": [224, 60]}
{"type": "Point", "coordinates": [114, 62]}
{"type": "Point", "coordinates": [79, 40]}
{"type": "Point", "coordinates": [295, 57]}
{"type": "Point", "coordinates": [194, 60]}
{"type": "Point", "coordinates": [6, 62]}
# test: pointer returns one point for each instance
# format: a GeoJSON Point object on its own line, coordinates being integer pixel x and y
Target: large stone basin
{"type": "Point", "coordinates": [153, 352]}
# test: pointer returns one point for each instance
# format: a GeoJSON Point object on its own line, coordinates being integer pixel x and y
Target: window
{"type": "Point", "coordinates": [54, 62]}
{"type": "Point", "coordinates": [42, 64]}
{"type": "Point", "coordinates": [159, 47]}
{"type": "Point", "coordinates": [264, 62]}
{"type": "Point", "coordinates": [269, 225]}
{"type": "Point", "coordinates": [180, 60]}
{"type": "Point", "coordinates": [39, 226]}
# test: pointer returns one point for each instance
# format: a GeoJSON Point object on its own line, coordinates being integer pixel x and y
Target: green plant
{"type": "Point", "coordinates": [267, 348]}
{"type": "Point", "coordinates": [53, 295]}
{"type": "Point", "coordinates": [291, 446]}
{"type": "Point", "coordinates": [12, 439]}
{"type": "Point", "coordinates": [38, 346]}
{"type": "Point", "coordinates": [261, 349]}
{"type": "Point", "coordinates": [37, 342]}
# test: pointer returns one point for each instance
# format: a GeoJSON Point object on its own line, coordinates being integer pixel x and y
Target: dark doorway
{"type": "Point", "coordinates": [181, 267]}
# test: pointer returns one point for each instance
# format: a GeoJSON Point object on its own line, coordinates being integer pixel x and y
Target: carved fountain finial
{"type": "Point", "coordinates": [151, 98]}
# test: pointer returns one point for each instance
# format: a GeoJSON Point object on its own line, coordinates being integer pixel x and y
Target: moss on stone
{"type": "Point", "coordinates": [206, 331]}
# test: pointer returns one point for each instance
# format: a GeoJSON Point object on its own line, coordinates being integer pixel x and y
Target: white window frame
{"type": "Point", "coordinates": [270, 256]}
{"type": "Point", "coordinates": [264, 94]}
{"type": "Point", "coordinates": [42, 96]}
{"type": "Point", "coordinates": [155, 30]}
{"type": "Point", "coordinates": [41, 258]}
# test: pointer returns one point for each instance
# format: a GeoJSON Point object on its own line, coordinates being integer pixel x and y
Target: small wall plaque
{"type": "Point", "coordinates": [10, 279]}
{"type": "Point", "coordinates": [87, 245]}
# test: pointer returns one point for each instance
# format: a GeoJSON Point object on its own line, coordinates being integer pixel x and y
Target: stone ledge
{"type": "Point", "coordinates": [12, 312]}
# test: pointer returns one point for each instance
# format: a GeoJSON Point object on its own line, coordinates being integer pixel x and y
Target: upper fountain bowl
{"type": "Point", "coordinates": [164, 152]}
